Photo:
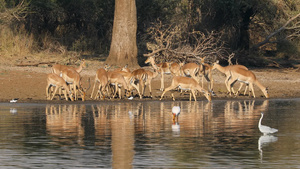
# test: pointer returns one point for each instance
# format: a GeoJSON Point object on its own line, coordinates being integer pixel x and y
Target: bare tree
{"type": "Point", "coordinates": [123, 49]}
{"type": "Point", "coordinates": [171, 43]}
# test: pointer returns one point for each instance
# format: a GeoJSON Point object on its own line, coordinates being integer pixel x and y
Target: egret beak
{"type": "Point", "coordinates": [174, 116]}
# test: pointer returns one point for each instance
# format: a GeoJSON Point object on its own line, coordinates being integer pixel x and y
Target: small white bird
{"type": "Point", "coordinates": [130, 98]}
{"type": "Point", "coordinates": [175, 112]}
{"type": "Point", "coordinates": [265, 129]}
{"type": "Point", "coordinates": [14, 100]}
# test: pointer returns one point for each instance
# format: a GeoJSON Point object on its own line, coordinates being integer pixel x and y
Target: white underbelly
{"type": "Point", "coordinates": [243, 81]}
{"type": "Point", "coordinates": [183, 88]}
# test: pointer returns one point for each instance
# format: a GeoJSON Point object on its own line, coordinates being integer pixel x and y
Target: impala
{"type": "Point", "coordinates": [175, 68]}
{"type": "Point", "coordinates": [207, 74]}
{"type": "Point", "coordinates": [163, 68]}
{"type": "Point", "coordinates": [248, 77]}
{"type": "Point", "coordinates": [226, 70]}
{"type": "Point", "coordinates": [72, 77]}
{"type": "Point", "coordinates": [192, 69]}
{"type": "Point", "coordinates": [118, 80]}
{"type": "Point", "coordinates": [58, 82]}
{"type": "Point", "coordinates": [141, 76]}
{"type": "Point", "coordinates": [57, 69]}
{"type": "Point", "coordinates": [151, 75]}
{"type": "Point", "coordinates": [130, 80]}
{"type": "Point", "coordinates": [102, 78]}
{"type": "Point", "coordinates": [186, 83]}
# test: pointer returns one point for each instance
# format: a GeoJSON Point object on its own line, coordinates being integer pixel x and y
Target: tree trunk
{"type": "Point", "coordinates": [123, 49]}
{"type": "Point", "coordinates": [244, 40]}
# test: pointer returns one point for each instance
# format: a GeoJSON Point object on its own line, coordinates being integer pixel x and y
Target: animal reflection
{"type": "Point", "coordinates": [242, 115]}
{"type": "Point", "coordinates": [64, 121]}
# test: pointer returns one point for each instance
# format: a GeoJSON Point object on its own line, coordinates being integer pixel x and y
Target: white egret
{"type": "Point", "coordinates": [265, 129]}
{"type": "Point", "coordinates": [175, 112]}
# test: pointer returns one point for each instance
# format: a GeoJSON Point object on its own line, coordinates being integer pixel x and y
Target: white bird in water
{"type": "Point", "coordinates": [175, 112]}
{"type": "Point", "coordinates": [265, 129]}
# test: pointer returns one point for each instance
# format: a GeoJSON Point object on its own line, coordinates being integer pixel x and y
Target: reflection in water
{"type": "Point", "coordinates": [142, 134]}
{"type": "Point", "coordinates": [121, 125]}
{"type": "Point", "coordinates": [63, 122]}
{"type": "Point", "coordinates": [243, 112]}
{"type": "Point", "coordinates": [263, 141]}
{"type": "Point", "coordinates": [13, 111]}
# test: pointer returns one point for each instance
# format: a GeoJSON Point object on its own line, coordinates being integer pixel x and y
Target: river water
{"type": "Point", "coordinates": [220, 134]}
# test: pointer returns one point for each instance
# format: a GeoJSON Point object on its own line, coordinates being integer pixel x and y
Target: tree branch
{"type": "Point", "coordinates": [267, 40]}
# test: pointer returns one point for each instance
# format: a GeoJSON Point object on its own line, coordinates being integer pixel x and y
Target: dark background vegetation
{"type": "Point", "coordinates": [83, 28]}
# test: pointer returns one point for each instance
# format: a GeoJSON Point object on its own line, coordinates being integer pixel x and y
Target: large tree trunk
{"type": "Point", "coordinates": [123, 49]}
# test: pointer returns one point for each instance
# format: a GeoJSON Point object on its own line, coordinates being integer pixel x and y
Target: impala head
{"type": "Point", "coordinates": [150, 59]}
{"type": "Point", "coordinates": [83, 64]}
{"type": "Point", "coordinates": [106, 67]}
{"type": "Point", "coordinates": [128, 93]}
{"type": "Point", "coordinates": [215, 64]}
{"type": "Point", "coordinates": [125, 68]}
{"type": "Point", "coordinates": [206, 94]}
{"type": "Point", "coordinates": [266, 93]}
{"type": "Point", "coordinates": [202, 59]}
{"type": "Point", "coordinates": [181, 63]}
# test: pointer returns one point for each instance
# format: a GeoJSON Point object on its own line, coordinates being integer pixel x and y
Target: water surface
{"type": "Point", "coordinates": [143, 135]}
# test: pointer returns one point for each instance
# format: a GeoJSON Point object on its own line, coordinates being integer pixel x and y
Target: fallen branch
{"type": "Point", "coordinates": [34, 64]}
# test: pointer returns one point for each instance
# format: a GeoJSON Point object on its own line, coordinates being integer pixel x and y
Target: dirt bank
{"type": "Point", "coordinates": [29, 83]}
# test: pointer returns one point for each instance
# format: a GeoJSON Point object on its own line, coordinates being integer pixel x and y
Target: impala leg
{"type": "Point", "coordinates": [136, 88]}
{"type": "Point", "coordinates": [162, 86]}
{"type": "Point", "coordinates": [143, 88]}
{"type": "Point", "coordinates": [173, 97]}
{"type": "Point", "coordinates": [54, 92]}
{"type": "Point", "coordinates": [120, 93]}
{"type": "Point", "coordinates": [150, 89]}
{"type": "Point", "coordinates": [247, 86]}
{"type": "Point", "coordinates": [93, 89]}
{"type": "Point", "coordinates": [65, 93]}
{"type": "Point", "coordinates": [237, 92]}
{"type": "Point", "coordinates": [47, 92]}
{"type": "Point", "coordinates": [116, 89]}
{"type": "Point", "coordinates": [193, 92]}
{"type": "Point", "coordinates": [167, 89]}
{"type": "Point", "coordinates": [251, 88]}
{"type": "Point", "coordinates": [231, 82]}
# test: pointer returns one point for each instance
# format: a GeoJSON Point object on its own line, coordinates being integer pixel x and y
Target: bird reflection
{"type": "Point", "coordinates": [175, 126]}
{"type": "Point", "coordinates": [13, 110]}
{"type": "Point", "coordinates": [263, 141]}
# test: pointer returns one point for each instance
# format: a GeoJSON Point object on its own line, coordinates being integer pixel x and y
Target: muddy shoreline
{"type": "Point", "coordinates": [29, 84]}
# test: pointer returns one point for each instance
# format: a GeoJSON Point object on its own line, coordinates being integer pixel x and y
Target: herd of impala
{"type": "Point", "coordinates": [185, 77]}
